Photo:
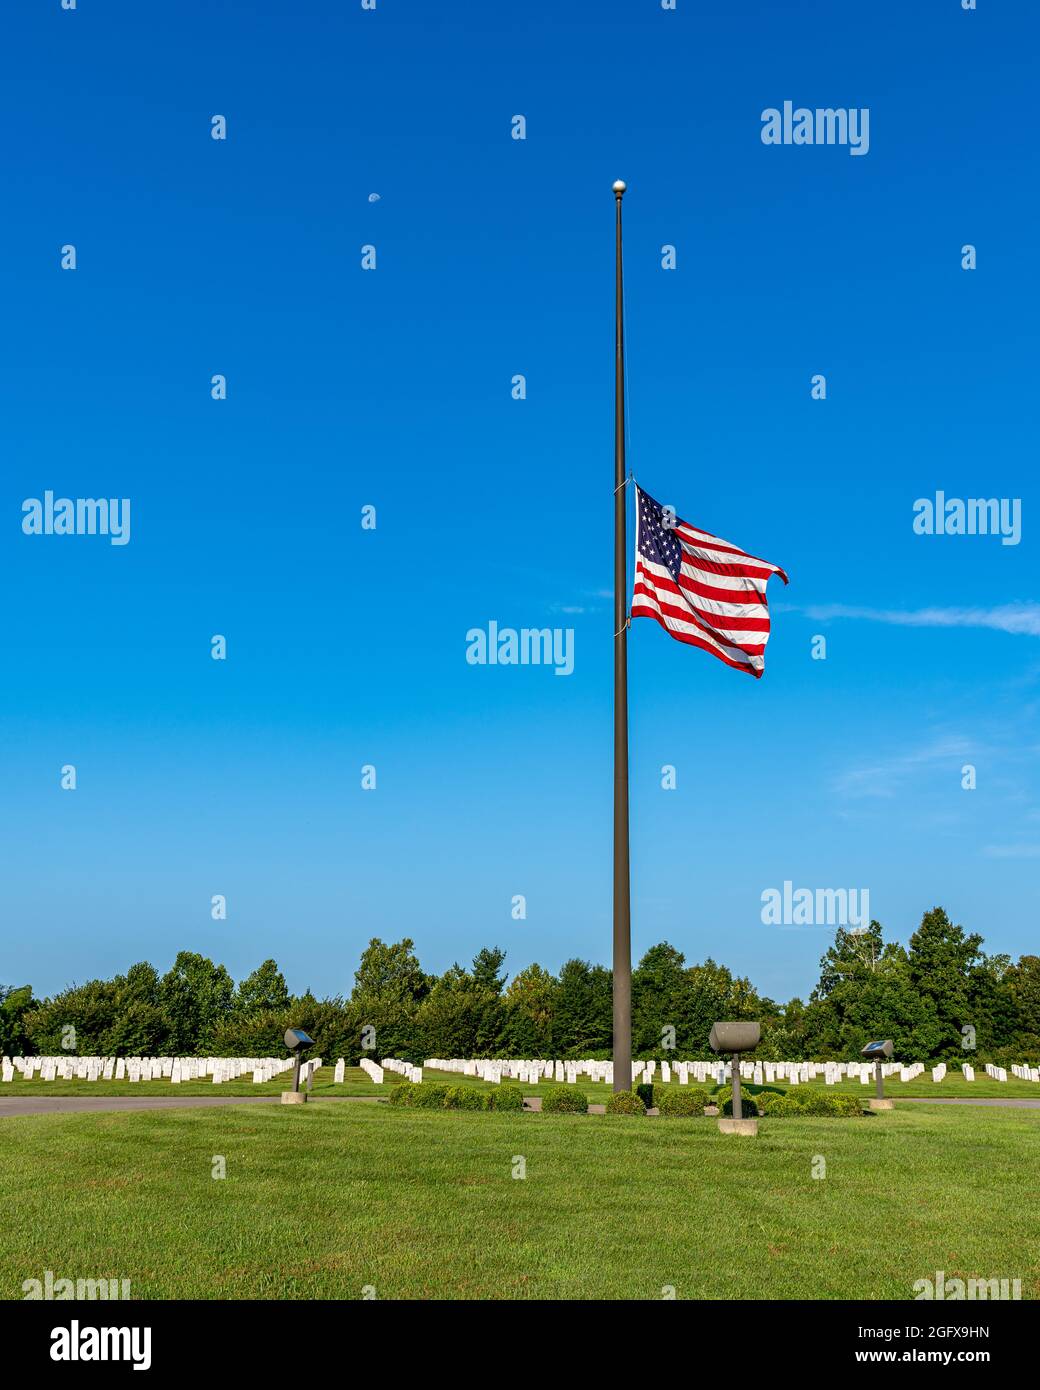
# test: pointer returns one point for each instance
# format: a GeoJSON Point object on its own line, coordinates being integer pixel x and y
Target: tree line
{"type": "Point", "coordinates": [941, 997]}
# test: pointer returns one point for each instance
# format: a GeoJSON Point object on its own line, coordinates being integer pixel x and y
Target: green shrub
{"type": "Point", "coordinates": [504, 1097]}
{"type": "Point", "coordinates": [627, 1103]}
{"type": "Point", "coordinates": [724, 1100]}
{"type": "Point", "coordinates": [808, 1101]}
{"type": "Point", "coordinates": [564, 1100]}
{"type": "Point", "coordinates": [812, 1101]}
{"type": "Point", "coordinates": [776, 1103]}
{"type": "Point", "coordinates": [464, 1098]}
{"type": "Point", "coordinates": [847, 1105]}
{"type": "Point", "coordinates": [401, 1094]}
{"type": "Point", "coordinates": [429, 1095]}
{"type": "Point", "coordinates": [682, 1101]}
{"type": "Point", "coordinates": [645, 1092]}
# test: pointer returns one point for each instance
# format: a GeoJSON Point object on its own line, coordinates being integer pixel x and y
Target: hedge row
{"type": "Point", "coordinates": [625, 1103]}
{"type": "Point", "coordinates": [564, 1100]}
{"type": "Point", "coordinates": [567, 1100]}
{"type": "Point", "coordinates": [429, 1095]}
{"type": "Point", "coordinates": [687, 1101]}
{"type": "Point", "coordinates": [793, 1102]}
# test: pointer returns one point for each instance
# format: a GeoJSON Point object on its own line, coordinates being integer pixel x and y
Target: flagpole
{"type": "Point", "coordinates": [622, 904]}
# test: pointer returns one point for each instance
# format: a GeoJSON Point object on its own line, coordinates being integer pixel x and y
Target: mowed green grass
{"type": "Point", "coordinates": [357, 1083]}
{"type": "Point", "coordinates": [326, 1200]}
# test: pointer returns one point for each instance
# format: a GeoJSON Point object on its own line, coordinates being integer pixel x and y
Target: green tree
{"type": "Point", "coordinates": [714, 993]}
{"type": "Point", "coordinates": [487, 964]}
{"type": "Point", "coordinates": [14, 1004]}
{"type": "Point", "coordinates": [992, 1008]}
{"type": "Point", "coordinates": [1023, 982]}
{"type": "Point", "coordinates": [76, 1021]}
{"type": "Point", "coordinates": [263, 991]}
{"type": "Point", "coordinates": [529, 1013]}
{"type": "Point", "coordinates": [660, 1001]}
{"type": "Point", "coordinates": [452, 1016]}
{"type": "Point", "coordinates": [866, 990]}
{"type": "Point", "coordinates": [389, 986]}
{"type": "Point", "coordinates": [196, 997]}
{"type": "Point", "coordinates": [943, 962]}
{"type": "Point", "coordinates": [489, 978]}
{"type": "Point", "coordinates": [582, 1010]}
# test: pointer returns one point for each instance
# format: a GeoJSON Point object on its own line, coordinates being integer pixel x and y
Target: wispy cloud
{"type": "Point", "coordinates": [887, 776]}
{"type": "Point", "coordinates": [1012, 851]}
{"type": "Point", "coordinates": [1018, 618]}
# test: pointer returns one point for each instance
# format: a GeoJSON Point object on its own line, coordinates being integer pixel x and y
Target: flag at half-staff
{"type": "Point", "coordinates": [700, 588]}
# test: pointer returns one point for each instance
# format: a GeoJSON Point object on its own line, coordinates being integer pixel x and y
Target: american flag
{"type": "Point", "coordinates": [701, 589]}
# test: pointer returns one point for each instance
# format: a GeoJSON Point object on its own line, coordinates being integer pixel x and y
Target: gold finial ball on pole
{"type": "Point", "coordinates": [619, 187]}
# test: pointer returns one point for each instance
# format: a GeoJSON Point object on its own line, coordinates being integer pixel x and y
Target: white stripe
{"type": "Point", "coordinates": [695, 629]}
{"type": "Point", "coordinates": [739, 583]}
{"type": "Point", "coordinates": [692, 602]}
{"type": "Point", "coordinates": [705, 540]}
{"type": "Point", "coordinates": [722, 557]}
{"type": "Point", "coordinates": [723, 607]}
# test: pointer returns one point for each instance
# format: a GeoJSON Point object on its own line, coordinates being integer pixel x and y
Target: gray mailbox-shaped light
{"type": "Point", "coordinates": [880, 1050]}
{"type": "Point", "coordinates": [296, 1040]}
{"type": "Point", "coordinates": [735, 1038]}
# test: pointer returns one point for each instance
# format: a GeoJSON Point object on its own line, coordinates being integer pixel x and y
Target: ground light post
{"type": "Point", "coordinates": [296, 1040]}
{"type": "Point", "coordinates": [735, 1038]}
{"type": "Point", "coordinates": [880, 1050]}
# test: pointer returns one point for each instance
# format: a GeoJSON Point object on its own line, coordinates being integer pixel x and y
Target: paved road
{"type": "Point", "coordinates": [67, 1105]}
{"type": "Point", "coordinates": [1013, 1102]}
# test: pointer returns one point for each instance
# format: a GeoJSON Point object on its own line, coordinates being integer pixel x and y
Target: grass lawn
{"type": "Point", "coordinates": [357, 1083]}
{"type": "Point", "coordinates": [323, 1200]}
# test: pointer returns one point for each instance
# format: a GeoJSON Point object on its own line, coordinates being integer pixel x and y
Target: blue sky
{"type": "Point", "coordinates": [393, 388]}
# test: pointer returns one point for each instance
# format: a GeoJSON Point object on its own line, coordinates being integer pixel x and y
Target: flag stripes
{"type": "Point", "coordinates": [702, 590]}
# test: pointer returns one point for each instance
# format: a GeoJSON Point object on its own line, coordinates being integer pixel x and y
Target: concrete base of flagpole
{"type": "Point", "coordinates": [876, 1104]}
{"type": "Point", "coordinates": [731, 1126]}
{"type": "Point", "coordinates": [294, 1097]}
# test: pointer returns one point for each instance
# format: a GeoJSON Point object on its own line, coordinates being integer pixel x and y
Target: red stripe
{"type": "Point", "coordinates": [705, 590]}
{"type": "Point", "coordinates": [720, 567]}
{"type": "Point", "coordinates": [696, 642]}
{"type": "Point", "coordinates": [683, 614]}
{"type": "Point", "coordinates": [709, 542]}
{"type": "Point", "coordinates": [718, 622]}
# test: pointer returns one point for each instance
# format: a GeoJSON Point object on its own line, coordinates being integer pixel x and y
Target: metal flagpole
{"type": "Point", "coordinates": [622, 904]}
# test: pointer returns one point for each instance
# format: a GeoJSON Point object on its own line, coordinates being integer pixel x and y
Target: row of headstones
{"type": "Point", "coordinates": [405, 1069]}
{"type": "Point", "coordinates": [135, 1069]}
{"type": "Point", "coordinates": [1024, 1073]}
{"type": "Point", "coordinates": [756, 1072]}
{"type": "Point", "coordinates": [531, 1072]}
{"type": "Point", "coordinates": [307, 1070]}
{"type": "Point", "coordinates": [371, 1070]}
